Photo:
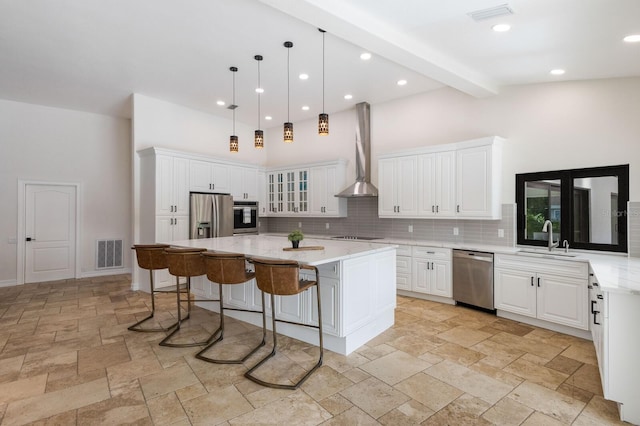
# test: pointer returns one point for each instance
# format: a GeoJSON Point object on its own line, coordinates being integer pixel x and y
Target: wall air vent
{"type": "Point", "coordinates": [492, 12]}
{"type": "Point", "coordinates": [108, 254]}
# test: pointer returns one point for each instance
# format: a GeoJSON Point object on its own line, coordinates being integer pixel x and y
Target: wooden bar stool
{"type": "Point", "coordinates": [151, 257]}
{"type": "Point", "coordinates": [185, 262]}
{"type": "Point", "coordinates": [282, 278]}
{"type": "Point", "coordinates": [229, 269]}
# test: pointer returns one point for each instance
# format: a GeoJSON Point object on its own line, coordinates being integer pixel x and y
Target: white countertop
{"type": "Point", "coordinates": [271, 247]}
{"type": "Point", "coordinates": [615, 272]}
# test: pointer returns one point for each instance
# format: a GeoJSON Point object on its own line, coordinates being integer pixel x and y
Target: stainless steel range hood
{"type": "Point", "coordinates": [363, 186]}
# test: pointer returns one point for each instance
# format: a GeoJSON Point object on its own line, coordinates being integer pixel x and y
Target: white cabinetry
{"type": "Point", "coordinates": [171, 185]}
{"type": "Point", "coordinates": [436, 184]}
{"type": "Point", "coordinates": [306, 190]}
{"type": "Point", "coordinates": [478, 180]}
{"type": "Point", "coordinates": [397, 179]}
{"type": "Point", "coordinates": [546, 289]}
{"type": "Point", "coordinates": [403, 267]}
{"type": "Point", "coordinates": [206, 176]}
{"type": "Point", "coordinates": [244, 183]}
{"type": "Point", "coordinates": [460, 180]}
{"type": "Point", "coordinates": [431, 271]}
{"type": "Point", "coordinates": [324, 182]}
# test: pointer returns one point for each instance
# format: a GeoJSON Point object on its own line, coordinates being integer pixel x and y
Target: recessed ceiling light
{"type": "Point", "coordinates": [259, 90]}
{"type": "Point", "coordinates": [501, 28]}
{"type": "Point", "coordinates": [401, 82]}
{"type": "Point", "coordinates": [557, 72]}
{"type": "Point", "coordinates": [221, 103]}
{"type": "Point", "coordinates": [268, 117]}
{"type": "Point", "coordinates": [305, 107]}
{"type": "Point", "coordinates": [365, 56]}
{"type": "Point", "coordinates": [347, 97]}
{"type": "Point", "coordinates": [634, 38]}
{"type": "Point", "coordinates": [303, 76]}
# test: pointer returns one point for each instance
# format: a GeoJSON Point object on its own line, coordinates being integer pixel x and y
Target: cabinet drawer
{"type": "Point", "coordinates": [566, 268]}
{"type": "Point", "coordinates": [432, 252]}
{"type": "Point", "coordinates": [330, 270]}
{"type": "Point", "coordinates": [403, 250]}
{"type": "Point", "coordinates": [403, 265]}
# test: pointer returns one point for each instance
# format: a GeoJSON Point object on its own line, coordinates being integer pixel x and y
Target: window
{"type": "Point", "coordinates": [586, 207]}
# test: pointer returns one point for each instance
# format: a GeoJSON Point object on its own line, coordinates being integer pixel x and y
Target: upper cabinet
{"type": "Point", "coordinates": [307, 190]}
{"type": "Point", "coordinates": [205, 176]}
{"type": "Point", "coordinates": [171, 185]}
{"type": "Point", "coordinates": [461, 180]}
{"type": "Point", "coordinates": [244, 183]}
{"type": "Point", "coordinates": [397, 193]}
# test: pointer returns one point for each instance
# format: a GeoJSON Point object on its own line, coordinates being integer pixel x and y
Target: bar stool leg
{"type": "Point", "coordinates": [136, 326]}
{"type": "Point", "coordinates": [220, 329]}
{"type": "Point", "coordinates": [253, 378]}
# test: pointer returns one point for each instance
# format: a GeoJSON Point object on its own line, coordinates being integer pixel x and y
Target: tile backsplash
{"type": "Point", "coordinates": [633, 215]}
{"type": "Point", "coordinates": [363, 220]}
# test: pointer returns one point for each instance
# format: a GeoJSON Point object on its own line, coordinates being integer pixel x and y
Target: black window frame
{"type": "Point", "coordinates": [566, 178]}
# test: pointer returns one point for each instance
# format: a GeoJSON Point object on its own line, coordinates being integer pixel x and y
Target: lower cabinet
{"type": "Point", "coordinates": [549, 290]}
{"type": "Point", "coordinates": [425, 270]}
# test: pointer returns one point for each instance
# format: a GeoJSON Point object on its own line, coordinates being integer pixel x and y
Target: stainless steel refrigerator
{"type": "Point", "coordinates": [210, 215]}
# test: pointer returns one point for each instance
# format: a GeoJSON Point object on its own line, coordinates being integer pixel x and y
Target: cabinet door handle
{"type": "Point", "coordinates": [398, 209]}
{"type": "Point", "coordinates": [595, 284]}
{"type": "Point", "coordinates": [538, 281]}
{"type": "Point", "coordinates": [531, 281]}
{"type": "Point", "coordinates": [433, 210]}
{"type": "Point", "coordinates": [593, 303]}
{"type": "Point", "coordinates": [437, 209]}
{"type": "Point", "coordinates": [428, 266]}
{"type": "Point", "coordinates": [458, 208]}
{"type": "Point", "coordinates": [432, 265]}
{"type": "Point", "coordinates": [599, 296]}
{"type": "Point", "coordinates": [595, 313]}
{"type": "Point", "coordinates": [213, 186]}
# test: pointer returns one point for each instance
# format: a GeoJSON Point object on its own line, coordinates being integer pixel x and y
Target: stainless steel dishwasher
{"type": "Point", "coordinates": [473, 278]}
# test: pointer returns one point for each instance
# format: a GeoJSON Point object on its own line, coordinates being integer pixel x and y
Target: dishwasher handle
{"type": "Point", "coordinates": [473, 255]}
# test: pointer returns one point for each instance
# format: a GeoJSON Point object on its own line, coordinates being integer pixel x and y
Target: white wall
{"type": "Point", "coordinates": [548, 127]}
{"type": "Point", "coordinates": [56, 145]}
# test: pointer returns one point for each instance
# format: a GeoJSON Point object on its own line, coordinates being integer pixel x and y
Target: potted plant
{"type": "Point", "coordinates": [295, 237]}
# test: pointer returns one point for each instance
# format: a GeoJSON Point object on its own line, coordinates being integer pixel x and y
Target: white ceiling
{"type": "Point", "coordinates": [91, 55]}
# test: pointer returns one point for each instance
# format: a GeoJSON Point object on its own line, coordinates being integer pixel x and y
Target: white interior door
{"type": "Point", "coordinates": [50, 231]}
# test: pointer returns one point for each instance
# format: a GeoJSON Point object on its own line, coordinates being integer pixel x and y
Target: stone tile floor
{"type": "Point", "coordinates": [67, 358]}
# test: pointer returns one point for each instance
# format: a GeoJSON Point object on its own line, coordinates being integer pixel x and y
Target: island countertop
{"type": "Point", "coordinates": [271, 247]}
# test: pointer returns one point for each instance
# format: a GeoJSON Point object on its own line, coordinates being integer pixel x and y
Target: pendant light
{"type": "Point", "coordinates": [233, 140]}
{"type": "Point", "coordinates": [323, 119]}
{"type": "Point", "coordinates": [258, 140]}
{"type": "Point", "coordinates": [288, 126]}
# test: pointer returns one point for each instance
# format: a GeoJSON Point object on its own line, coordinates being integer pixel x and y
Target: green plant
{"type": "Point", "coordinates": [296, 235]}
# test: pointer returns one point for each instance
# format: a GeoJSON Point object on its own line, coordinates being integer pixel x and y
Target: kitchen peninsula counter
{"type": "Point", "coordinates": [357, 287]}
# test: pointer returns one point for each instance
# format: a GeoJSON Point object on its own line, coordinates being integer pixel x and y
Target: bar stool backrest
{"type": "Point", "coordinates": [280, 277]}
{"type": "Point", "coordinates": [151, 256]}
{"type": "Point", "coordinates": [185, 262]}
{"type": "Point", "coordinates": [227, 268]}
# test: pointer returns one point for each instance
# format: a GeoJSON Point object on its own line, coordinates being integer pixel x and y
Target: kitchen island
{"type": "Point", "coordinates": [357, 288]}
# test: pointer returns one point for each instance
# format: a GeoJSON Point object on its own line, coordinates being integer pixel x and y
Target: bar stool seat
{"type": "Point", "coordinates": [229, 269]}
{"type": "Point", "coordinates": [153, 258]}
{"type": "Point", "coordinates": [282, 278]}
{"type": "Point", "coordinates": [185, 262]}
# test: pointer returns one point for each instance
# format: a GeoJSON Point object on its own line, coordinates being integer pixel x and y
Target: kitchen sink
{"type": "Point", "coordinates": [354, 237]}
{"type": "Point", "coordinates": [540, 253]}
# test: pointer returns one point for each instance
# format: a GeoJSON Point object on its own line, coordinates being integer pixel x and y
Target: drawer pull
{"type": "Point", "coordinates": [599, 296]}
{"type": "Point", "coordinates": [595, 313]}
{"type": "Point", "coordinates": [593, 304]}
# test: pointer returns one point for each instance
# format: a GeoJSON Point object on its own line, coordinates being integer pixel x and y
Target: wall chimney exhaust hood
{"type": "Point", "coordinates": [363, 186]}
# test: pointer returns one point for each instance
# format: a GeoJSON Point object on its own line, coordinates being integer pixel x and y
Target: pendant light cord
{"type": "Point", "coordinates": [323, 72]}
{"type": "Point", "coordinates": [288, 93]}
{"type": "Point", "coordinates": [234, 102]}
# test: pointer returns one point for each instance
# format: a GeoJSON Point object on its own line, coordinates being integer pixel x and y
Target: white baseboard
{"type": "Point", "coordinates": [103, 273]}
{"type": "Point", "coordinates": [8, 283]}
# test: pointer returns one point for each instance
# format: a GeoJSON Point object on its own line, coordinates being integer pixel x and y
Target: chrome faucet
{"type": "Point", "coordinates": [565, 244]}
{"type": "Point", "coordinates": [548, 227]}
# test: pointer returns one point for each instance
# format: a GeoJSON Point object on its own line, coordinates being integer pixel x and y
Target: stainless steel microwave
{"type": "Point", "coordinates": [245, 217]}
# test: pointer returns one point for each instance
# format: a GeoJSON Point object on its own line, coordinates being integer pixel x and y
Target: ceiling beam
{"type": "Point", "coordinates": [354, 25]}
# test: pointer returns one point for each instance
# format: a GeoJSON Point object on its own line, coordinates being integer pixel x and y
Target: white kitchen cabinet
{"type": "Point", "coordinates": [398, 179]}
{"type": "Point", "coordinates": [324, 182]}
{"type": "Point", "coordinates": [478, 182]}
{"type": "Point", "coordinates": [436, 184]}
{"type": "Point", "coordinates": [206, 176]}
{"type": "Point", "coordinates": [546, 289]}
{"type": "Point", "coordinates": [171, 185]}
{"type": "Point", "coordinates": [262, 194]}
{"type": "Point", "coordinates": [296, 194]}
{"type": "Point", "coordinates": [244, 183]}
{"type": "Point", "coordinates": [431, 268]}
{"type": "Point", "coordinates": [169, 228]}
{"type": "Point", "coordinates": [403, 267]}
{"type": "Point", "coordinates": [275, 192]}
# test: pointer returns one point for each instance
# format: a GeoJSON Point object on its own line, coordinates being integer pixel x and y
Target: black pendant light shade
{"type": "Point", "coordinates": [288, 126]}
{"type": "Point", "coordinates": [233, 140]}
{"type": "Point", "coordinates": [323, 118]}
{"type": "Point", "coordinates": [258, 138]}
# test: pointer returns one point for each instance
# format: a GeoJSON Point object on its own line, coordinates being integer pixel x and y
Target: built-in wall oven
{"type": "Point", "coordinates": [245, 217]}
